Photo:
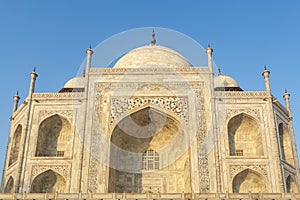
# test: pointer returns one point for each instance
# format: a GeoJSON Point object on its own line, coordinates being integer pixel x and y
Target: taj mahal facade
{"type": "Point", "coordinates": [151, 127]}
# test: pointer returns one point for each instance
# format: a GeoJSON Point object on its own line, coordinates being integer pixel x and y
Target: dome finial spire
{"type": "Point", "coordinates": [219, 71]}
{"type": "Point", "coordinates": [153, 41]}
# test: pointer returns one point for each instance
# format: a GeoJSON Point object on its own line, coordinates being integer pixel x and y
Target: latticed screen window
{"type": "Point", "coordinates": [150, 160]}
{"type": "Point", "coordinates": [239, 152]}
{"type": "Point", "coordinates": [60, 153]}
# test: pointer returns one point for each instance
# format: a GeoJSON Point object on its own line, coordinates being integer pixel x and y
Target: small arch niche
{"type": "Point", "coordinates": [291, 186]}
{"type": "Point", "coordinates": [285, 144]}
{"type": "Point", "coordinates": [53, 137]}
{"type": "Point", "coordinates": [9, 188]}
{"type": "Point", "coordinates": [14, 152]}
{"type": "Point", "coordinates": [244, 136]}
{"type": "Point", "coordinates": [248, 181]}
{"type": "Point", "coordinates": [48, 182]}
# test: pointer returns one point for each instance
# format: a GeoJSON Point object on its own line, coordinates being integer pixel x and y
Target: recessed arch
{"type": "Point", "coordinates": [291, 186]}
{"type": "Point", "coordinates": [9, 187]}
{"type": "Point", "coordinates": [53, 137]}
{"type": "Point", "coordinates": [244, 136]}
{"type": "Point", "coordinates": [248, 181]}
{"type": "Point", "coordinates": [15, 146]}
{"type": "Point", "coordinates": [145, 130]}
{"type": "Point", "coordinates": [285, 144]}
{"type": "Point", "coordinates": [47, 182]}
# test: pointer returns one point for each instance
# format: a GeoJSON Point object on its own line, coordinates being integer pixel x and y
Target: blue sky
{"type": "Point", "coordinates": [53, 36]}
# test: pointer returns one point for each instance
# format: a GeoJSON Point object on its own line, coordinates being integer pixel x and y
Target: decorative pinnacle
{"type": "Point", "coordinates": [219, 71]}
{"type": "Point", "coordinates": [285, 91]}
{"type": "Point", "coordinates": [89, 50]}
{"type": "Point", "coordinates": [153, 41]}
{"type": "Point", "coordinates": [34, 69]}
{"type": "Point", "coordinates": [209, 50]}
{"type": "Point", "coordinates": [265, 68]}
{"type": "Point", "coordinates": [16, 97]}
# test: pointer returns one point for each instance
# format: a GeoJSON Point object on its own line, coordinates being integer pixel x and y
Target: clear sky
{"type": "Point", "coordinates": [53, 36]}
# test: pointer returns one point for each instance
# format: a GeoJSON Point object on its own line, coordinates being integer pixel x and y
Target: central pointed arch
{"type": "Point", "coordinates": [136, 135]}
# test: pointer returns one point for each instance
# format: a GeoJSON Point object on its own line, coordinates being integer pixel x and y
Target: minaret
{"type": "Point", "coordinates": [89, 53]}
{"type": "Point", "coordinates": [286, 97]}
{"type": "Point", "coordinates": [16, 102]}
{"type": "Point", "coordinates": [153, 40]}
{"type": "Point", "coordinates": [209, 51]}
{"type": "Point", "coordinates": [33, 76]}
{"type": "Point", "coordinates": [266, 75]}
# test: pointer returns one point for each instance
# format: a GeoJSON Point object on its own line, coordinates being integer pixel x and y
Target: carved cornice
{"type": "Point", "coordinates": [152, 70]}
{"type": "Point", "coordinates": [242, 94]}
{"type": "Point", "coordinates": [66, 95]}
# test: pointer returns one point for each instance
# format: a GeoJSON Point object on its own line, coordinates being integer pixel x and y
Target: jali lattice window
{"type": "Point", "coordinates": [150, 160]}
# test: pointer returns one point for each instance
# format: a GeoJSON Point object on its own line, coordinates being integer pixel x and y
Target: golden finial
{"type": "Point", "coordinates": [153, 41]}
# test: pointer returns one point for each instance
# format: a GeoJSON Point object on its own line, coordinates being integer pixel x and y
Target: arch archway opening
{"type": "Point", "coordinates": [244, 136]}
{"type": "Point", "coordinates": [9, 188]}
{"type": "Point", "coordinates": [48, 182]}
{"type": "Point", "coordinates": [53, 137]}
{"type": "Point", "coordinates": [248, 181]}
{"type": "Point", "coordinates": [291, 186]}
{"type": "Point", "coordinates": [142, 144]}
{"type": "Point", "coordinates": [285, 144]}
{"type": "Point", "coordinates": [14, 152]}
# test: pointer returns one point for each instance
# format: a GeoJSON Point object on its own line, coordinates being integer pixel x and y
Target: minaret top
{"type": "Point", "coordinates": [89, 50]}
{"type": "Point", "coordinates": [209, 50]}
{"type": "Point", "coordinates": [33, 74]}
{"type": "Point", "coordinates": [266, 72]}
{"type": "Point", "coordinates": [153, 41]}
{"type": "Point", "coordinates": [16, 97]}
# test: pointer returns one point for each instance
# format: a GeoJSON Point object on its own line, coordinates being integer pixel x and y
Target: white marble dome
{"type": "Point", "coordinates": [222, 81]}
{"type": "Point", "coordinates": [152, 56]}
{"type": "Point", "coordinates": [76, 82]}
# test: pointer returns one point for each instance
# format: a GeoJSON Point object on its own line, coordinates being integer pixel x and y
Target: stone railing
{"type": "Point", "coordinates": [153, 196]}
{"type": "Point", "coordinates": [242, 94]}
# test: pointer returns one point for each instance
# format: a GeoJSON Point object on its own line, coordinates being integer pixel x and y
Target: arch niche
{"type": "Point", "coordinates": [47, 182]}
{"type": "Point", "coordinates": [248, 181]}
{"type": "Point", "coordinates": [285, 144]}
{"type": "Point", "coordinates": [14, 152]}
{"type": "Point", "coordinates": [9, 188]}
{"type": "Point", "coordinates": [291, 186]}
{"type": "Point", "coordinates": [244, 136]}
{"type": "Point", "coordinates": [142, 144]}
{"type": "Point", "coordinates": [53, 137]}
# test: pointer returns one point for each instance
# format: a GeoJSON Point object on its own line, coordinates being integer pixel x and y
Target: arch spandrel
{"type": "Point", "coordinates": [158, 109]}
{"type": "Point", "coordinates": [177, 107]}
